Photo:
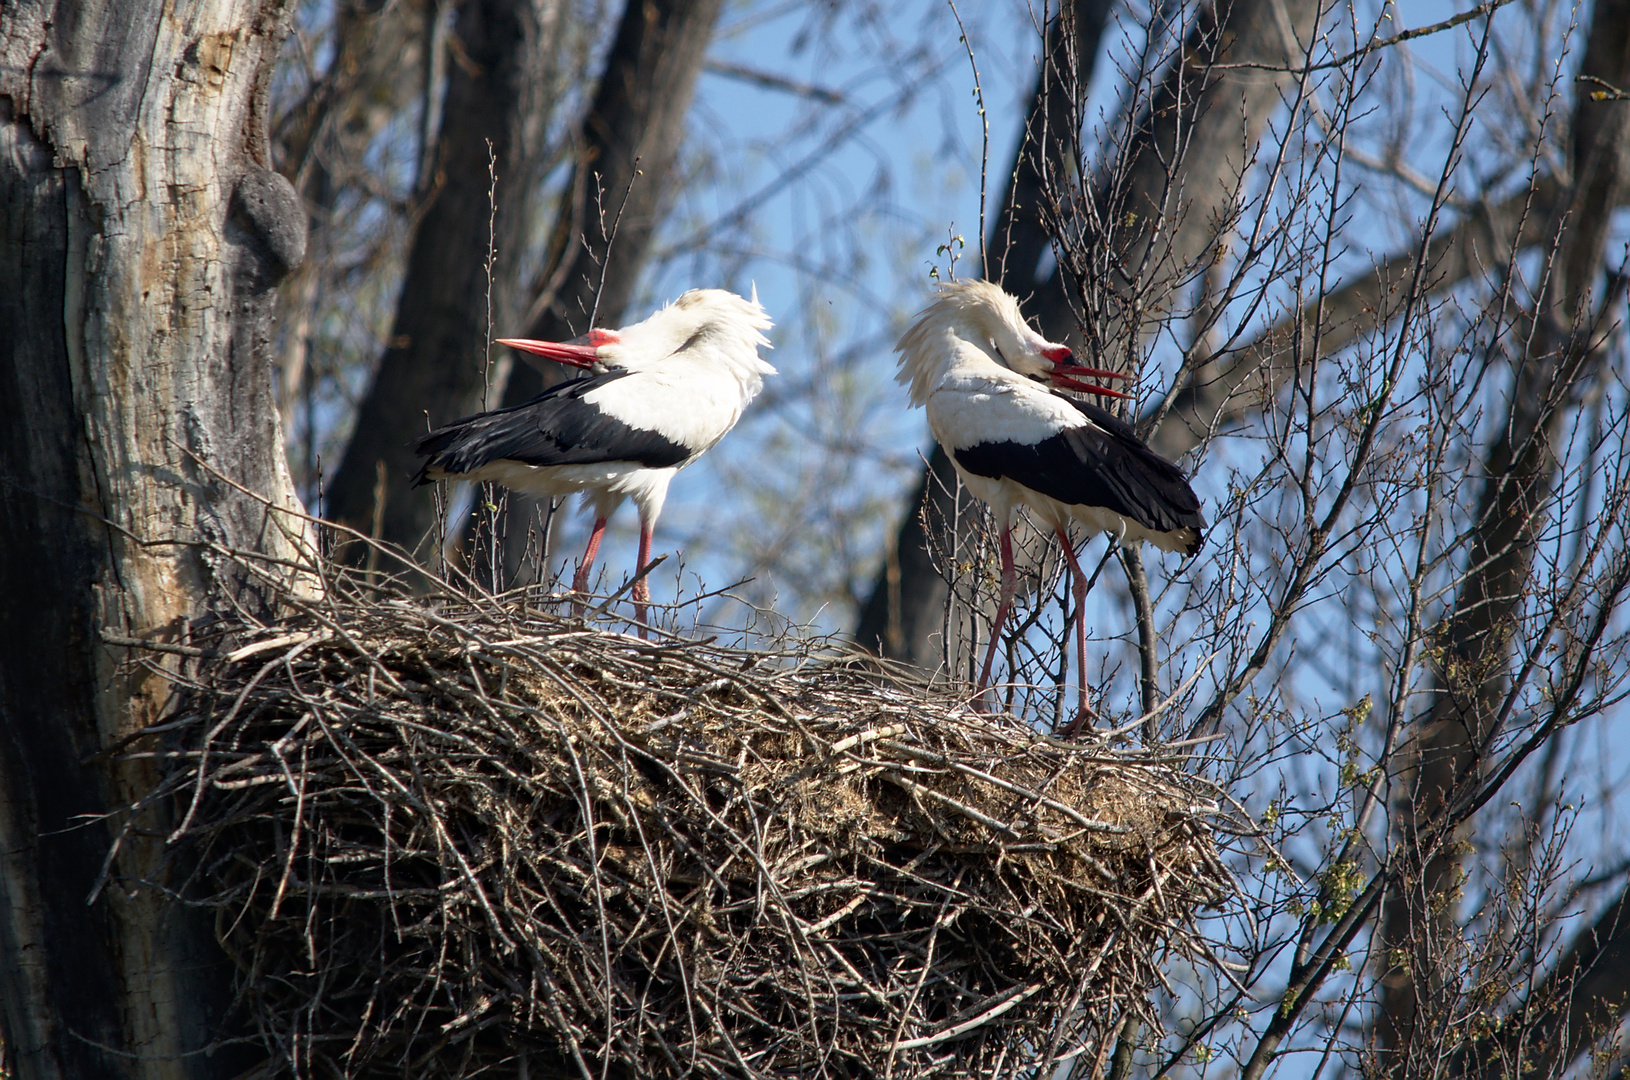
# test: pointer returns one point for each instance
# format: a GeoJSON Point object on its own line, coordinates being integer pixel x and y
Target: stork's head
{"type": "Point", "coordinates": [715, 326]}
{"type": "Point", "coordinates": [728, 328]}
{"type": "Point", "coordinates": [584, 351]}
{"type": "Point", "coordinates": [989, 318]}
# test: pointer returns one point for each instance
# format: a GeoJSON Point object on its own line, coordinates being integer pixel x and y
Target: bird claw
{"type": "Point", "coordinates": [1073, 728]}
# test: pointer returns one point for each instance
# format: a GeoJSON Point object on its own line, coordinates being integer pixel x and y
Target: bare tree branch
{"type": "Point", "coordinates": [1479, 11]}
{"type": "Point", "coordinates": [1583, 996]}
{"type": "Point", "coordinates": [1246, 376]}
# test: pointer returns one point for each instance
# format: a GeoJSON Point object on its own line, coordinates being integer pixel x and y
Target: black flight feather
{"type": "Point", "coordinates": [555, 428]}
{"type": "Point", "coordinates": [1102, 464]}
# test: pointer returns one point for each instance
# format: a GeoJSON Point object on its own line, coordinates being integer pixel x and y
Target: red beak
{"type": "Point", "coordinates": [1068, 376]}
{"type": "Point", "coordinates": [1086, 372]}
{"type": "Point", "coordinates": [580, 352]}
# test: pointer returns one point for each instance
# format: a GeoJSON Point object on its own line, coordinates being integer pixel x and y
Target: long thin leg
{"type": "Point", "coordinates": [580, 580]}
{"type": "Point", "coordinates": [1002, 607]}
{"type": "Point", "coordinates": [642, 588]}
{"type": "Point", "coordinates": [1080, 590]}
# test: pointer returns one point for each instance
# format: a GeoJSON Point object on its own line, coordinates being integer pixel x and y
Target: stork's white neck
{"type": "Point", "coordinates": [958, 333]}
{"type": "Point", "coordinates": [931, 355]}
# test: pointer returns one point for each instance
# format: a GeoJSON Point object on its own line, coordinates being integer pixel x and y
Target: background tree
{"type": "Point", "coordinates": [144, 236]}
{"type": "Point", "coordinates": [436, 365]}
{"type": "Point", "coordinates": [1568, 329]}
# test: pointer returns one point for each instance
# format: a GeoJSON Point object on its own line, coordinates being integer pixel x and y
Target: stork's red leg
{"type": "Point", "coordinates": [1002, 607]}
{"type": "Point", "coordinates": [642, 588]}
{"type": "Point", "coordinates": [580, 580]}
{"type": "Point", "coordinates": [1080, 590]}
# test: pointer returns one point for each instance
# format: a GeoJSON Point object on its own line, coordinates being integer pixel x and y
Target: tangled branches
{"type": "Point", "coordinates": [447, 839]}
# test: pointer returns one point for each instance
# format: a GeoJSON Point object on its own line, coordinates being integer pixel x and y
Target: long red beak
{"type": "Point", "coordinates": [1069, 377]}
{"type": "Point", "coordinates": [580, 352]}
{"type": "Point", "coordinates": [1086, 372]}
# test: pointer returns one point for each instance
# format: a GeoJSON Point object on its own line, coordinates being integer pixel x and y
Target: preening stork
{"type": "Point", "coordinates": [663, 392]}
{"type": "Point", "coordinates": [971, 360]}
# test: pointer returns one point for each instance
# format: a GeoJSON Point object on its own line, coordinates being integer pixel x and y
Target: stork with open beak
{"type": "Point", "coordinates": [660, 394]}
{"type": "Point", "coordinates": [971, 360]}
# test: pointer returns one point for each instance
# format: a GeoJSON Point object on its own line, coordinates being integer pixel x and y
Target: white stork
{"type": "Point", "coordinates": [663, 392]}
{"type": "Point", "coordinates": [970, 360]}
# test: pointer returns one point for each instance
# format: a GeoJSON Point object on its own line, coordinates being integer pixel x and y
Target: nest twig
{"type": "Point", "coordinates": [464, 838]}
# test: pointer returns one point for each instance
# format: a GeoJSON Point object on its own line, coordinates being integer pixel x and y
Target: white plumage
{"type": "Point", "coordinates": [662, 393]}
{"type": "Point", "coordinates": [971, 361]}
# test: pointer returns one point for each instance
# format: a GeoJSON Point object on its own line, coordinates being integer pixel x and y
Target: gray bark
{"type": "Point", "coordinates": [436, 367]}
{"type": "Point", "coordinates": [627, 149]}
{"type": "Point", "coordinates": [143, 236]}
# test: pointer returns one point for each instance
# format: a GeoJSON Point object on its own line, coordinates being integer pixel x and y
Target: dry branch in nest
{"type": "Point", "coordinates": [460, 838]}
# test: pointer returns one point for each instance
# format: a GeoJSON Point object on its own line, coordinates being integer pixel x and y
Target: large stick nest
{"type": "Point", "coordinates": [459, 838]}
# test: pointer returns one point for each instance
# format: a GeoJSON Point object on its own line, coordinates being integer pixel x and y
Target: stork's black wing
{"type": "Point", "coordinates": [1102, 464]}
{"type": "Point", "coordinates": [555, 428]}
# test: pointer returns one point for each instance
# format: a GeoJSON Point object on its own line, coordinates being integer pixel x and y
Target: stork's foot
{"type": "Point", "coordinates": [1073, 728]}
{"type": "Point", "coordinates": [642, 601]}
{"type": "Point", "coordinates": [580, 589]}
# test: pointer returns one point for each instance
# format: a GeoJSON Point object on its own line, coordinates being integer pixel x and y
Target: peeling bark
{"type": "Point", "coordinates": [143, 236]}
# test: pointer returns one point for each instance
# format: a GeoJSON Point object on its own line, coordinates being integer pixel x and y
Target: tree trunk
{"type": "Point", "coordinates": [617, 194]}
{"type": "Point", "coordinates": [144, 235]}
{"type": "Point", "coordinates": [436, 366]}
